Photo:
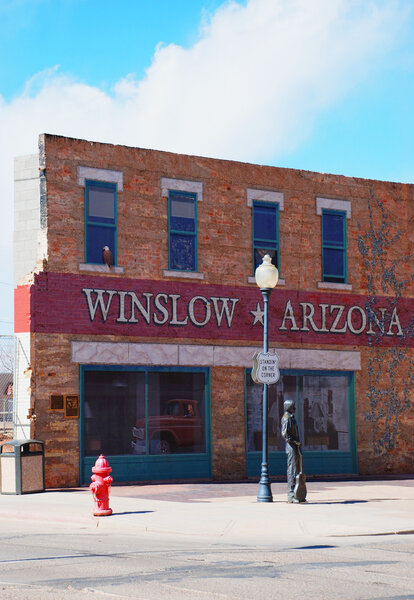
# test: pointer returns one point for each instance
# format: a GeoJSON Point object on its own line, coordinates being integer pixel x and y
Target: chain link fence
{"type": "Point", "coordinates": [7, 370]}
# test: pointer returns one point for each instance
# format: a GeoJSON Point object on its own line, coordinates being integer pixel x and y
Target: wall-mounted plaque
{"type": "Point", "coordinates": [56, 402]}
{"type": "Point", "coordinates": [72, 406]}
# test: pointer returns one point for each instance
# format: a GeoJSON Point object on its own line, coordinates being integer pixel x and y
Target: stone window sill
{"type": "Point", "coordinates": [279, 282]}
{"type": "Point", "coordinates": [185, 274]}
{"type": "Point", "coordinates": [100, 268]}
{"type": "Point", "coordinates": [328, 285]}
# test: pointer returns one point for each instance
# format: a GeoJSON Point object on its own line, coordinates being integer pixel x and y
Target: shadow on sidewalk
{"type": "Point", "coordinates": [340, 501]}
{"type": "Point", "coordinates": [134, 512]}
{"type": "Point", "coordinates": [351, 501]}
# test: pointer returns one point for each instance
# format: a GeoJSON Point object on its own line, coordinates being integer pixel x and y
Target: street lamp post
{"type": "Point", "coordinates": [266, 278]}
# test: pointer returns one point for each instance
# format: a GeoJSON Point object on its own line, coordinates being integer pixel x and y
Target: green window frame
{"type": "Point", "coordinates": [182, 231]}
{"type": "Point", "coordinates": [334, 250]}
{"type": "Point", "coordinates": [148, 466]}
{"type": "Point", "coordinates": [265, 232]}
{"type": "Point", "coordinates": [100, 223]}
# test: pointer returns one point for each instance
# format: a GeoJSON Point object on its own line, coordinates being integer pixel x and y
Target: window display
{"type": "Point", "coordinates": [322, 411]}
{"type": "Point", "coordinates": [323, 405]}
{"type": "Point", "coordinates": [144, 412]}
{"type": "Point", "coordinates": [113, 402]}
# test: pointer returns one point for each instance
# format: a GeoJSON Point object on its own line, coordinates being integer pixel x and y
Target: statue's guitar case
{"type": "Point", "coordinates": [300, 485]}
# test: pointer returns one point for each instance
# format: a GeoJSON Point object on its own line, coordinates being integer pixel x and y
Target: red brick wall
{"type": "Point", "coordinates": [228, 423]}
{"type": "Point", "coordinates": [224, 219]}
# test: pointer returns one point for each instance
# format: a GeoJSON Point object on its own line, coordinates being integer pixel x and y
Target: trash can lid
{"type": "Point", "coordinates": [18, 443]}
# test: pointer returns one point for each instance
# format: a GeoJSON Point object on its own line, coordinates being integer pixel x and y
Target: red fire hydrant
{"type": "Point", "coordinates": [100, 486]}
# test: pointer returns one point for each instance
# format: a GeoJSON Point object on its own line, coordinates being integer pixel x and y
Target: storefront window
{"type": "Point", "coordinates": [140, 413]}
{"type": "Point", "coordinates": [254, 414]}
{"type": "Point", "coordinates": [321, 410]}
{"type": "Point", "coordinates": [323, 402]}
{"type": "Point", "coordinates": [113, 402]}
{"type": "Point", "coordinates": [175, 413]}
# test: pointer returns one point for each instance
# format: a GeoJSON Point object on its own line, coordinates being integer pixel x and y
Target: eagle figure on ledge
{"type": "Point", "coordinates": [107, 257]}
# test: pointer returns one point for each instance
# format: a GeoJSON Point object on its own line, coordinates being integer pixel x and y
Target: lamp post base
{"type": "Point", "coordinates": [265, 493]}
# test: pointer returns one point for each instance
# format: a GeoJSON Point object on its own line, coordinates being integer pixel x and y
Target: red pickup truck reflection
{"type": "Point", "coordinates": [178, 429]}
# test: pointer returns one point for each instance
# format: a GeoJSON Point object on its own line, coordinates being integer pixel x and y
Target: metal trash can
{"type": "Point", "coordinates": [22, 467]}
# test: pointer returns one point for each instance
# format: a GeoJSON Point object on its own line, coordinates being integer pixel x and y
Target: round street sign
{"type": "Point", "coordinates": [265, 368]}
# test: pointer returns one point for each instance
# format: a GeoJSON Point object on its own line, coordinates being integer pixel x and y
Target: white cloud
{"type": "Point", "coordinates": [249, 89]}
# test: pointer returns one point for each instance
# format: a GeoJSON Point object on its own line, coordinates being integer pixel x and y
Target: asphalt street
{"type": "Point", "coordinates": [350, 541]}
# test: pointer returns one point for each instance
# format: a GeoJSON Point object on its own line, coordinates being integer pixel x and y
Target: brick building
{"type": "Point", "coordinates": [148, 360]}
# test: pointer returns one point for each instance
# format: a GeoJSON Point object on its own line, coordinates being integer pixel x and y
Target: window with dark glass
{"type": "Point", "coordinates": [334, 246]}
{"type": "Point", "coordinates": [114, 404]}
{"type": "Point", "coordinates": [176, 413]}
{"type": "Point", "coordinates": [322, 411]}
{"type": "Point", "coordinates": [265, 232]}
{"type": "Point", "coordinates": [100, 219]}
{"type": "Point", "coordinates": [182, 221]}
{"type": "Point", "coordinates": [144, 412]}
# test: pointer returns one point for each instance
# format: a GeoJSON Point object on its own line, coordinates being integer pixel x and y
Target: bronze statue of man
{"type": "Point", "coordinates": [290, 434]}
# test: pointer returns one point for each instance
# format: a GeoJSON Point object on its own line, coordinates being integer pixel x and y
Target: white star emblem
{"type": "Point", "coordinates": [258, 315]}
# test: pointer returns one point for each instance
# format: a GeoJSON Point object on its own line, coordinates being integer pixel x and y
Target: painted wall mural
{"type": "Point", "coordinates": [390, 369]}
{"type": "Point", "coordinates": [80, 304]}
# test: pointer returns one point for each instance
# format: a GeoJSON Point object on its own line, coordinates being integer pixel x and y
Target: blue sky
{"type": "Point", "coordinates": [324, 85]}
{"type": "Point", "coordinates": [97, 41]}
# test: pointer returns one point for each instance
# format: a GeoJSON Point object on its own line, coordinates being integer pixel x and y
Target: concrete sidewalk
{"type": "Point", "coordinates": [226, 511]}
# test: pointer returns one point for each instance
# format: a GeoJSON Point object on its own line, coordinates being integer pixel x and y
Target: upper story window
{"type": "Point", "coordinates": [334, 246]}
{"type": "Point", "coordinates": [182, 227]}
{"type": "Point", "coordinates": [100, 220]}
{"type": "Point", "coordinates": [183, 199]}
{"type": "Point", "coordinates": [265, 232]}
{"type": "Point", "coordinates": [334, 214]}
{"type": "Point", "coordinates": [265, 205]}
{"type": "Point", "coordinates": [101, 187]}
